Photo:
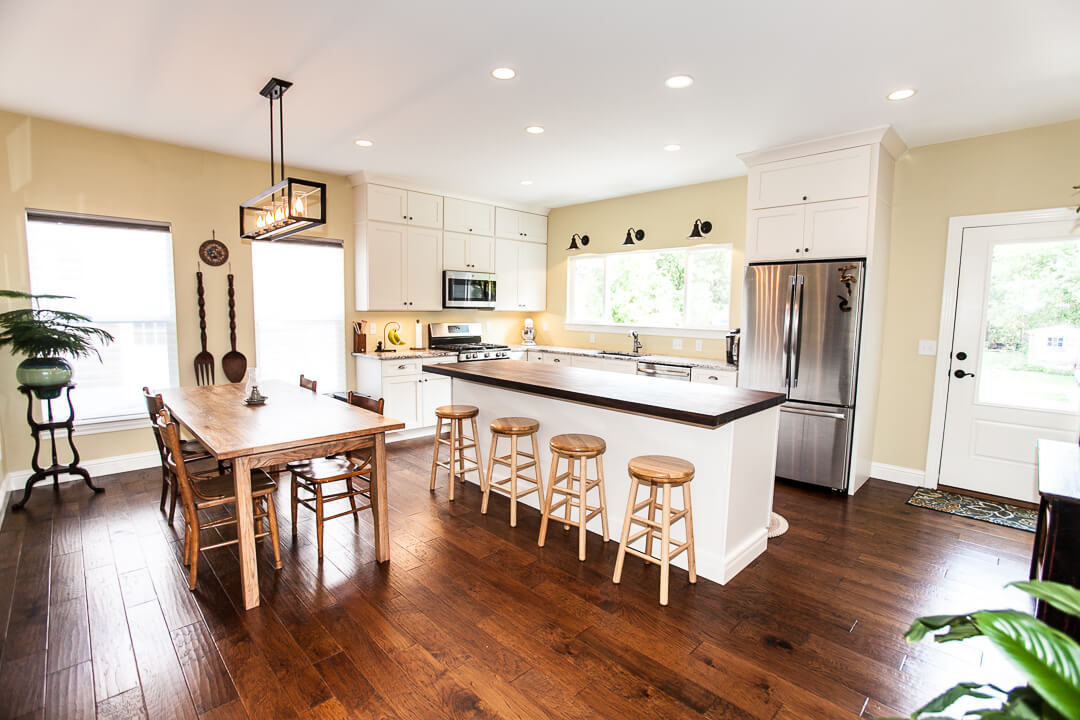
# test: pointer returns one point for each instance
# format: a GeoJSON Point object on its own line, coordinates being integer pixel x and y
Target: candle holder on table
{"type": "Point", "coordinates": [56, 469]}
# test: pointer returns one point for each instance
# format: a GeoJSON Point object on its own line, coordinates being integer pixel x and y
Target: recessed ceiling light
{"type": "Point", "coordinates": [901, 94]}
{"type": "Point", "coordinates": [526, 182]}
{"type": "Point", "coordinates": [534, 129]}
{"type": "Point", "coordinates": [504, 73]}
{"type": "Point", "coordinates": [678, 82]}
{"type": "Point", "coordinates": [673, 147]}
{"type": "Point", "coordinates": [364, 143]}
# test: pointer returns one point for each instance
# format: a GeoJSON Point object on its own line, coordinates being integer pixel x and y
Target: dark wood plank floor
{"type": "Point", "coordinates": [471, 619]}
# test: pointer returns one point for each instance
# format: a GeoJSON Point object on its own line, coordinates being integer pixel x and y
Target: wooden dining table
{"type": "Point", "coordinates": [294, 424]}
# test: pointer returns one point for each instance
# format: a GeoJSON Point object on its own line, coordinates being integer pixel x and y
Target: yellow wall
{"type": "Point", "coordinates": [1027, 169]}
{"type": "Point", "coordinates": [667, 217]}
{"type": "Point", "coordinates": [56, 166]}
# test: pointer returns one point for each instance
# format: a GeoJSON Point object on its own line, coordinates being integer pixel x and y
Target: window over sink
{"type": "Point", "coordinates": [685, 288]}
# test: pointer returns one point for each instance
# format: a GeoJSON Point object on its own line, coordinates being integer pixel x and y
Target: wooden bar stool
{"type": "Point", "coordinates": [513, 428]}
{"type": "Point", "coordinates": [658, 471]}
{"type": "Point", "coordinates": [456, 464]}
{"type": "Point", "coordinates": [580, 448]}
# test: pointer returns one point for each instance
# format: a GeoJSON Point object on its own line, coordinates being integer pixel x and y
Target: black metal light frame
{"type": "Point", "coordinates": [289, 189]}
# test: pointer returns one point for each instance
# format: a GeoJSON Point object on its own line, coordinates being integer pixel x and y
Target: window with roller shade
{"type": "Point", "coordinates": [119, 273]}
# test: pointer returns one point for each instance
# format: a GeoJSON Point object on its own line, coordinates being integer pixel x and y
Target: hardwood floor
{"type": "Point", "coordinates": [471, 619]}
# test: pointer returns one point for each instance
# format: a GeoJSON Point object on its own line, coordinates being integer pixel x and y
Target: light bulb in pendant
{"type": "Point", "coordinates": [259, 222]}
{"type": "Point", "coordinates": [279, 214]}
{"type": "Point", "coordinates": [298, 206]}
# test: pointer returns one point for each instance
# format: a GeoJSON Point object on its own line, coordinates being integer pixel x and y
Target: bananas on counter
{"type": "Point", "coordinates": [395, 337]}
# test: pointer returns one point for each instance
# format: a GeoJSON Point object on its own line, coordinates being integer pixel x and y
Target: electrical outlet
{"type": "Point", "coordinates": [545, 327]}
{"type": "Point", "coordinates": [699, 345]}
{"type": "Point", "coordinates": [676, 344]}
{"type": "Point", "coordinates": [928, 347]}
{"type": "Point", "coordinates": [592, 337]}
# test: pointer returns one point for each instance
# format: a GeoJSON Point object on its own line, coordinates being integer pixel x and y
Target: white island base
{"type": "Point", "coordinates": [732, 491]}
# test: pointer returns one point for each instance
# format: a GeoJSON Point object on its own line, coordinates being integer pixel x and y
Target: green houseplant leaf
{"type": "Point", "coordinates": [42, 333]}
{"type": "Point", "coordinates": [1061, 596]}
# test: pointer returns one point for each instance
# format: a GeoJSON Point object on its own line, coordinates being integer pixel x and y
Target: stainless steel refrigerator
{"type": "Point", "coordinates": [800, 337]}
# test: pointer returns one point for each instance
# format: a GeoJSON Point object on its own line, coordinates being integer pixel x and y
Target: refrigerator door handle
{"type": "Point", "coordinates": [796, 350]}
{"type": "Point", "coordinates": [814, 413]}
{"type": "Point", "coordinates": [787, 334]}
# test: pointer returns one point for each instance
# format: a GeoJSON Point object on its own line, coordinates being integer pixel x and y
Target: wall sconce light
{"type": "Point", "coordinates": [701, 229]}
{"type": "Point", "coordinates": [632, 235]}
{"type": "Point", "coordinates": [575, 239]}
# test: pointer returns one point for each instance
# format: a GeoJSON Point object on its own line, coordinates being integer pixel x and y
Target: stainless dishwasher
{"type": "Point", "coordinates": [664, 370]}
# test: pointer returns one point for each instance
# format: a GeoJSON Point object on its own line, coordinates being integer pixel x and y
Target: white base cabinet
{"type": "Point", "coordinates": [411, 395]}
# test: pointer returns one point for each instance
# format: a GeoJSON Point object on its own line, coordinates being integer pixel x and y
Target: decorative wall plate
{"type": "Point", "coordinates": [213, 252]}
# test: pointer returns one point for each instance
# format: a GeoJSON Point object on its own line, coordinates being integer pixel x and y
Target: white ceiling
{"type": "Point", "coordinates": [413, 76]}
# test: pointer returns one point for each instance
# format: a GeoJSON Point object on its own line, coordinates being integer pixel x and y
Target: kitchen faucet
{"type": "Point", "coordinates": [637, 343]}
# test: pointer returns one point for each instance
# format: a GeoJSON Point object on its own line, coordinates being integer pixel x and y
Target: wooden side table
{"type": "Point", "coordinates": [1056, 555]}
{"type": "Point", "coordinates": [36, 428]}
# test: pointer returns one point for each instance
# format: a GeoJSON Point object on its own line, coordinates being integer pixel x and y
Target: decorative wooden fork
{"type": "Point", "coordinates": [204, 361]}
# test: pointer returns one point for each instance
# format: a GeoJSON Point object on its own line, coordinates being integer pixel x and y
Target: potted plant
{"type": "Point", "coordinates": [44, 336]}
{"type": "Point", "coordinates": [1048, 657]}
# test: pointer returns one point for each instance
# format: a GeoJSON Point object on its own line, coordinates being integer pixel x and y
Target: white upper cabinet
{"type": "Point", "coordinates": [825, 176]}
{"type": "Point", "coordinates": [473, 253]}
{"type": "Point", "coordinates": [465, 216]}
{"type": "Point", "coordinates": [520, 275]}
{"type": "Point", "coordinates": [516, 225]}
{"type": "Point", "coordinates": [836, 229]}
{"type": "Point", "coordinates": [387, 204]}
{"type": "Point", "coordinates": [398, 267]}
{"type": "Point", "coordinates": [775, 233]}
{"type": "Point", "coordinates": [425, 210]}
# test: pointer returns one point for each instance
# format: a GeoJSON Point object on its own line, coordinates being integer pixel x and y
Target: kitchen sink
{"type": "Point", "coordinates": [619, 353]}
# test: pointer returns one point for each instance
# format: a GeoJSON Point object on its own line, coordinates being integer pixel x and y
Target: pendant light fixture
{"type": "Point", "coordinates": [701, 229]}
{"type": "Point", "coordinates": [633, 235]}
{"type": "Point", "coordinates": [289, 205]}
{"type": "Point", "coordinates": [575, 239]}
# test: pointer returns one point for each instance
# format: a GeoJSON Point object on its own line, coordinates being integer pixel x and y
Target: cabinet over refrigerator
{"type": "Point", "coordinates": [800, 337]}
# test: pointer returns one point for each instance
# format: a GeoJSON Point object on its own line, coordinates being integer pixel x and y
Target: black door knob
{"type": "Point", "coordinates": [961, 355]}
{"type": "Point", "coordinates": [960, 374]}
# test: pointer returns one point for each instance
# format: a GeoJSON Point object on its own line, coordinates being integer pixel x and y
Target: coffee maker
{"type": "Point", "coordinates": [732, 339]}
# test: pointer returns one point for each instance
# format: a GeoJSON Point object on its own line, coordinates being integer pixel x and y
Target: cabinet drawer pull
{"type": "Point", "coordinates": [555, 360]}
{"type": "Point", "coordinates": [713, 377]}
{"type": "Point", "coordinates": [402, 367]}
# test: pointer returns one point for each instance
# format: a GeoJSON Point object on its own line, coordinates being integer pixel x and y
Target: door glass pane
{"type": "Point", "coordinates": [1031, 352]}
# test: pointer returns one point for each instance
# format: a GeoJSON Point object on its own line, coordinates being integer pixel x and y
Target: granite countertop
{"type": "Point", "coordinates": [711, 363]}
{"type": "Point", "coordinates": [405, 353]}
{"type": "Point", "coordinates": [701, 404]}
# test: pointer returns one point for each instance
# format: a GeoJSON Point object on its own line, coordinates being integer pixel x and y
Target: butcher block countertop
{"type": "Point", "coordinates": [695, 403]}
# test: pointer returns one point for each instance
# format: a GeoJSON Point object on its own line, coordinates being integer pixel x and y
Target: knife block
{"type": "Point", "coordinates": [359, 342]}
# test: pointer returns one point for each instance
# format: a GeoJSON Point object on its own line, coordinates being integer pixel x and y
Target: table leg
{"type": "Point", "coordinates": [379, 500]}
{"type": "Point", "coordinates": [245, 529]}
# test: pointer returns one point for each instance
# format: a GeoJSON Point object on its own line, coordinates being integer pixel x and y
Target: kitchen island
{"type": "Point", "coordinates": [728, 433]}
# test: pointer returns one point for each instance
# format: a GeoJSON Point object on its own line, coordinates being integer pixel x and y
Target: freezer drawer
{"type": "Point", "coordinates": [814, 444]}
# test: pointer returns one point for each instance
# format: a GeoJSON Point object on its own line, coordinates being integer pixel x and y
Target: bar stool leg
{"type": "Point", "coordinates": [513, 480]}
{"type": "Point", "coordinates": [625, 530]}
{"type": "Point", "coordinates": [583, 509]}
{"type": "Point", "coordinates": [435, 455]}
{"type": "Point", "coordinates": [490, 469]}
{"type": "Point", "coordinates": [539, 478]}
{"type": "Point", "coordinates": [452, 463]}
{"type": "Point", "coordinates": [691, 564]}
{"type": "Point", "coordinates": [476, 454]}
{"type": "Point", "coordinates": [603, 496]}
{"type": "Point", "coordinates": [550, 496]}
{"type": "Point", "coordinates": [665, 546]}
{"type": "Point", "coordinates": [570, 488]}
{"type": "Point", "coordinates": [652, 517]}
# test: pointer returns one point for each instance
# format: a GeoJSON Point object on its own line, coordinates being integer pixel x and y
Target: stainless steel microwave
{"type": "Point", "coordinates": [468, 289]}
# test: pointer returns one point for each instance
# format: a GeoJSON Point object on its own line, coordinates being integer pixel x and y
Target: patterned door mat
{"type": "Point", "coordinates": [992, 511]}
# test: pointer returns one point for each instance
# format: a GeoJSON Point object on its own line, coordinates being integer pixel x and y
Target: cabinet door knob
{"type": "Point", "coordinates": [404, 217]}
{"type": "Point", "coordinates": [806, 249]}
{"type": "Point", "coordinates": [804, 197]}
{"type": "Point", "coordinates": [796, 249]}
{"type": "Point", "coordinates": [410, 217]}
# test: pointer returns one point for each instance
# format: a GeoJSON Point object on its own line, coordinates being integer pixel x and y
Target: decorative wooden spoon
{"type": "Point", "coordinates": [233, 363]}
{"type": "Point", "coordinates": [204, 361]}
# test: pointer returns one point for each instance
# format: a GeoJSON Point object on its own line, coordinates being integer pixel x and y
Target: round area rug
{"type": "Point", "coordinates": [778, 525]}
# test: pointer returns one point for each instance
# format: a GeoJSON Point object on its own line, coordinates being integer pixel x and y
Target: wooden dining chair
{"type": "Point", "coordinates": [195, 455]}
{"type": "Point", "coordinates": [354, 469]}
{"type": "Point", "coordinates": [211, 492]}
{"type": "Point", "coordinates": [309, 384]}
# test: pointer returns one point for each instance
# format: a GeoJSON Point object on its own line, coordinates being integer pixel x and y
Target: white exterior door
{"type": "Point", "coordinates": [1013, 375]}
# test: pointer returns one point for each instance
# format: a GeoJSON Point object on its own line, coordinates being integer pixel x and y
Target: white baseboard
{"type": "Point", "coordinates": [16, 480]}
{"type": "Point", "coordinates": [897, 474]}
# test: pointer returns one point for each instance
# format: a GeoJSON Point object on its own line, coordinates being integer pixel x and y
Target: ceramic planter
{"type": "Point", "coordinates": [46, 376]}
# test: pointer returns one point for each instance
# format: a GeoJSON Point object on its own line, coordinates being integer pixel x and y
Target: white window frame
{"type": "Point", "coordinates": [693, 332]}
{"type": "Point", "coordinates": [132, 421]}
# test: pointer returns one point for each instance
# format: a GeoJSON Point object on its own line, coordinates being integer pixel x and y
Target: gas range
{"type": "Point", "coordinates": [464, 339]}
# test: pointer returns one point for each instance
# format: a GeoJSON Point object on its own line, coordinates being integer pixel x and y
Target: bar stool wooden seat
{"type": "Point", "coordinates": [457, 464]}
{"type": "Point", "coordinates": [513, 428]}
{"type": "Point", "coordinates": [580, 448]}
{"type": "Point", "coordinates": [656, 472]}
